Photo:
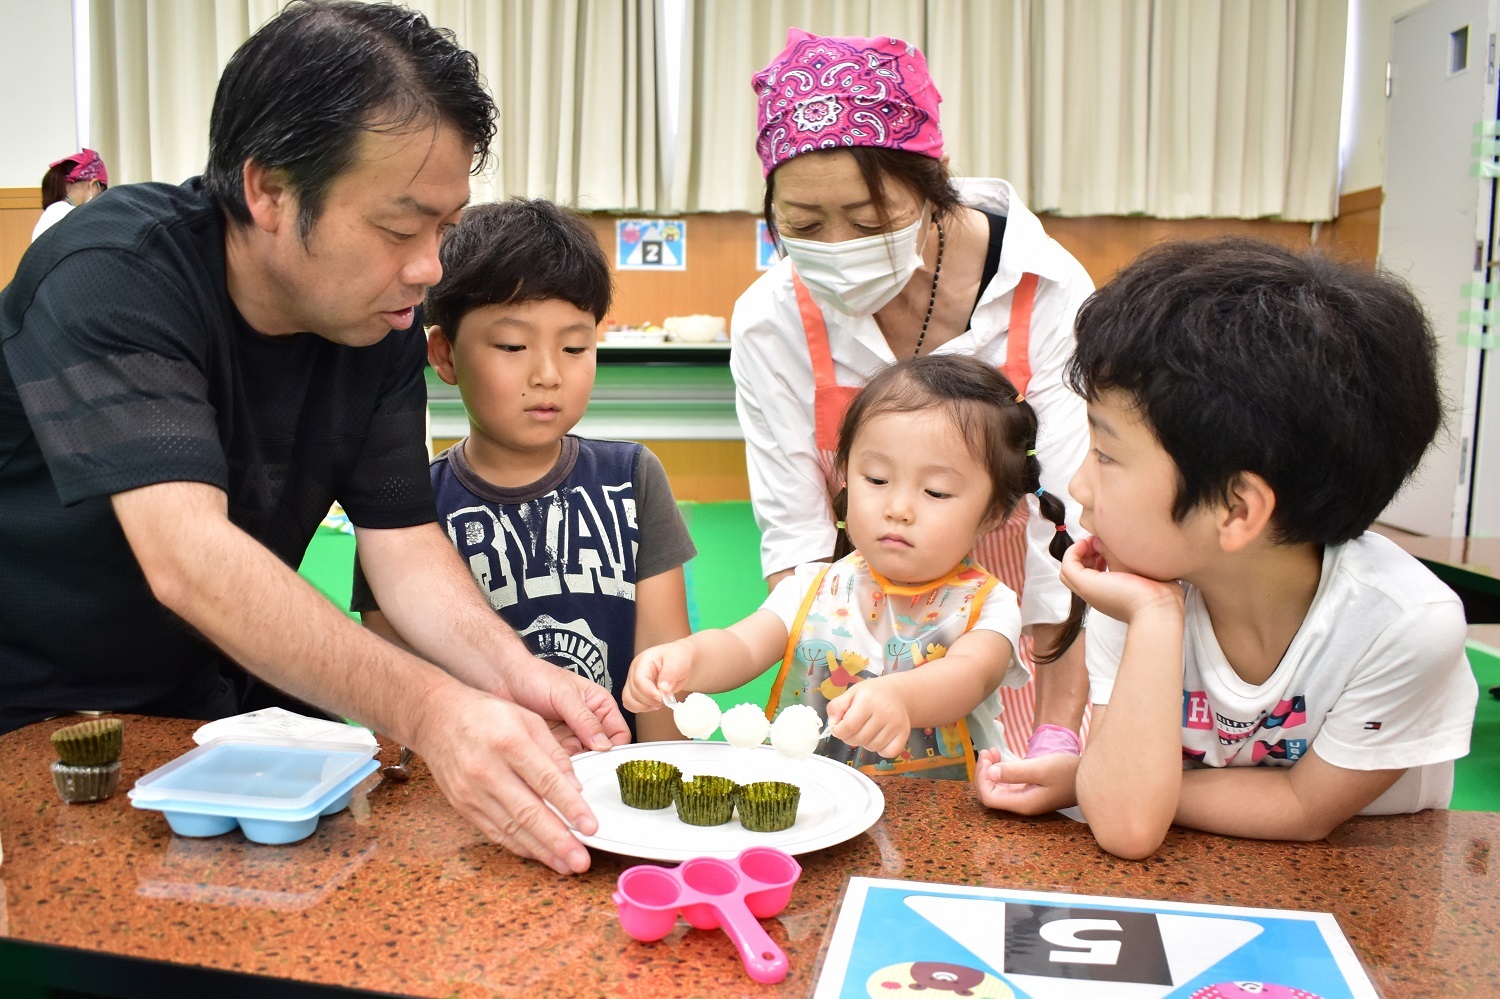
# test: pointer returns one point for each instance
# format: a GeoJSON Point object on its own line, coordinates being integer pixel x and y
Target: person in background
{"type": "Point", "coordinates": [903, 643]}
{"type": "Point", "coordinates": [577, 543]}
{"type": "Point", "coordinates": [887, 258]}
{"type": "Point", "coordinates": [1262, 665]}
{"type": "Point", "coordinates": [68, 183]}
{"type": "Point", "coordinates": [189, 377]}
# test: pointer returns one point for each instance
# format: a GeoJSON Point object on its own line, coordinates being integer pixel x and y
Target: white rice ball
{"type": "Point", "coordinates": [795, 731]}
{"type": "Point", "coordinates": [745, 725]}
{"type": "Point", "coordinates": [696, 715]}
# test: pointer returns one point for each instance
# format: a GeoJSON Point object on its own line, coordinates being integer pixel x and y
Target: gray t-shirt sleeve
{"type": "Point", "coordinates": [665, 542]}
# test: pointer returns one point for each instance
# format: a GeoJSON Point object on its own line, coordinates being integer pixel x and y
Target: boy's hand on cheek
{"type": "Point", "coordinates": [870, 716]}
{"type": "Point", "coordinates": [1116, 594]}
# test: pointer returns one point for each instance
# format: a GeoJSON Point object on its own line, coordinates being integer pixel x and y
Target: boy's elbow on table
{"type": "Point", "coordinates": [1129, 837]}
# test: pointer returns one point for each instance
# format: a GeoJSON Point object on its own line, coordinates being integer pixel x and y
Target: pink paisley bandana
{"type": "Point", "coordinates": [831, 93]}
{"type": "Point", "coordinates": [86, 166]}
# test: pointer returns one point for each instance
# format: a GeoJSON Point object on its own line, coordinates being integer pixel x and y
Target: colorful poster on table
{"type": "Point", "coordinates": [766, 251]}
{"type": "Point", "coordinates": [896, 939]}
{"type": "Point", "coordinates": [651, 245]}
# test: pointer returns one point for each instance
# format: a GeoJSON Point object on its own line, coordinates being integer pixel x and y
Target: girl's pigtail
{"type": "Point", "coordinates": [842, 545]}
{"type": "Point", "coordinates": [1053, 509]}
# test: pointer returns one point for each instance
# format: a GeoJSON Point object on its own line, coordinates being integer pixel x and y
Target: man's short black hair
{"type": "Point", "coordinates": [516, 251]}
{"type": "Point", "coordinates": [296, 96]}
{"type": "Point", "coordinates": [1241, 356]}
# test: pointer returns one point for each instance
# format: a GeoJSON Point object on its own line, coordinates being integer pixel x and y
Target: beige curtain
{"type": "Point", "coordinates": [725, 42]}
{"type": "Point", "coordinates": [576, 81]}
{"type": "Point", "coordinates": [980, 55]}
{"type": "Point", "coordinates": [1226, 108]}
{"type": "Point", "coordinates": [1090, 121]}
{"type": "Point", "coordinates": [581, 91]}
{"type": "Point", "coordinates": [153, 69]}
{"type": "Point", "coordinates": [1173, 108]}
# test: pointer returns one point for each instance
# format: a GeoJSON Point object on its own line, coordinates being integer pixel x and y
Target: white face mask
{"type": "Point", "coordinates": [858, 276]}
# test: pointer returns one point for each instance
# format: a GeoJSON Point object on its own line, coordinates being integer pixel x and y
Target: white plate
{"type": "Point", "coordinates": [838, 802]}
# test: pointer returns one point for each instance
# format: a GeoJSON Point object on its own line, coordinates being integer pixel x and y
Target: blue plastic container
{"type": "Point", "coordinates": [274, 792]}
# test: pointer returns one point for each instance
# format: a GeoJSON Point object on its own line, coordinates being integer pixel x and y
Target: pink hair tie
{"type": "Point", "coordinates": [1051, 740]}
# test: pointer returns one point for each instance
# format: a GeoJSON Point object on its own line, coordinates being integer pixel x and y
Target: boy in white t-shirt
{"type": "Point", "coordinates": [1260, 664]}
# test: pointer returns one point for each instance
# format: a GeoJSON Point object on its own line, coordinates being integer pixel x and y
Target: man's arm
{"type": "Point", "coordinates": [1305, 801]}
{"type": "Point", "coordinates": [495, 761]}
{"type": "Point", "coordinates": [441, 615]}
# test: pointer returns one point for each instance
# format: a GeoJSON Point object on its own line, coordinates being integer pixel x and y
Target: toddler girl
{"type": "Point", "coordinates": [904, 642]}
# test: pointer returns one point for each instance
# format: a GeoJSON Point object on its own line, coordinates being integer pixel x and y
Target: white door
{"type": "Point", "coordinates": [1435, 224]}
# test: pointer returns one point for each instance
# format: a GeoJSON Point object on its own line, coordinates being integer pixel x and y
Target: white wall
{"type": "Point", "coordinates": [36, 89]}
{"type": "Point", "coordinates": [1364, 135]}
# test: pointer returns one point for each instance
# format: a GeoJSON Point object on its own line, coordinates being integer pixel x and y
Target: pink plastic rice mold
{"type": "Point", "coordinates": [709, 893]}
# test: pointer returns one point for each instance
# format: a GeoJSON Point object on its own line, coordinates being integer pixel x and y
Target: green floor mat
{"type": "Point", "coordinates": [1476, 777]}
{"type": "Point", "coordinates": [724, 583]}
{"type": "Point", "coordinates": [329, 565]}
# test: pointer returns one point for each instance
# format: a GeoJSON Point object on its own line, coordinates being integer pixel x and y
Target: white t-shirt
{"type": "Point", "coordinates": [1376, 678]}
{"type": "Point", "coordinates": [999, 613]}
{"type": "Point", "coordinates": [51, 215]}
{"type": "Point", "coordinates": [773, 380]}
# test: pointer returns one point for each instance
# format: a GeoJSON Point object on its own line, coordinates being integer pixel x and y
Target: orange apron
{"type": "Point", "coordinates": [855, 625]}
{"type": "Point", "coordinates": [1003, 550]}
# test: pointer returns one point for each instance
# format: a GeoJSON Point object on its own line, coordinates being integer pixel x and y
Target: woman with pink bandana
{"type": "Point", "coordinates": [68, 183]}
{"type": "Point", "coordinates": [886, 257]}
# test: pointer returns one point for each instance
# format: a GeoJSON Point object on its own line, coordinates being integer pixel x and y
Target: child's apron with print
{"type": "Point", "coordinates": [855, 625]}
{"type": "Point", "coordinates": [1001, 551]}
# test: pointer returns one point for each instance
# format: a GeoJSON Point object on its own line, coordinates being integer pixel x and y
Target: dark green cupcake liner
{"type": "Point", "coordinates": [648, 784]}
{"type": "Point", "coordinates": [706, 800]}
{"type": "Point", "coordinates": [768, 805]}
{"type": "Point", "coordinates": [95, 742]}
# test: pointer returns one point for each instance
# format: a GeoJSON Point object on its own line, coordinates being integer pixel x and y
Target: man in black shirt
{"type": "Point", "coordinates": [190, 375]}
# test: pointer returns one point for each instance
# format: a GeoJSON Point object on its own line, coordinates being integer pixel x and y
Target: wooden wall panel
{"type": "Point", "coordinates": [20, 207]}
{"type": "Point", "coordinates": [1105, 244]}
{"type": "Point", "coordinates": [1354, 236]}
{"type": "Point", "coordinates": [721, 251]}
{"type": "Point", "coordinates": [720, 265]}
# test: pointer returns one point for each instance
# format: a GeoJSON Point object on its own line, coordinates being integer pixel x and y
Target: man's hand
{"type": "Point", "coordinates": [1117, 594]}
{"type": "Point", "coordinates": [870, 715]}
{"type": "Point", "coordinates": [587, 709]}
{"type": "Point", "coordinates": [1026, 787]}
{"type": "Point", "coordinates": [499, 766]}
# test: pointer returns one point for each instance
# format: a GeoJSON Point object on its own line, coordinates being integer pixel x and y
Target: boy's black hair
{"type": "Point", "coordinates": [999, 427]}
{"type": "Point", "coordinates": [299, 92]}
{"type": "Point", "coordinates": [516, 251]}
{"type": "Point", "coordinates": [1241, 356]}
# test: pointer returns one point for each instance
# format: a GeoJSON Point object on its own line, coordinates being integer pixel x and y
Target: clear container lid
{"type": "Point", "coordinates": [244, 777]}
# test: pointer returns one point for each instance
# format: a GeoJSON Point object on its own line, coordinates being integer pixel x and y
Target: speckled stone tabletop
{"type": "Point", "coordinates": [398, 894]}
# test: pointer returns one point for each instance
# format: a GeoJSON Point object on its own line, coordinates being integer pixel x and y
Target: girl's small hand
{"type": "Point", "coordinates": [1116, 594]}
{"type": "Point", "coordinates": [869, 716]}
{"type": "Point", "coordinates": [1026, 787]}
{"type": "Point", "coordinates": [657, 671]}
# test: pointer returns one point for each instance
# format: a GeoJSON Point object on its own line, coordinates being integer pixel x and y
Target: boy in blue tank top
{"type": "Point", "coordinates": [578, 544]}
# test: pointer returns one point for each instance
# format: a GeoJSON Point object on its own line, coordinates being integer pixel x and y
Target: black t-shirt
{"type": "Point", "coordinates": [124, 363]}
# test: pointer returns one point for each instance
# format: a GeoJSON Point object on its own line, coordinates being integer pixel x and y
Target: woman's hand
{"type": "Point", "coordinates": [1116, 594]}
{"type": "Point", "coordinates": [659, 670]}
{"type": "Point", "coordinates": [871, 716]}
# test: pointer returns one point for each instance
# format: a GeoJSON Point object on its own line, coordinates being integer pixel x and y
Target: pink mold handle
{"type": "Point", "coordinates": [729, 894]}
